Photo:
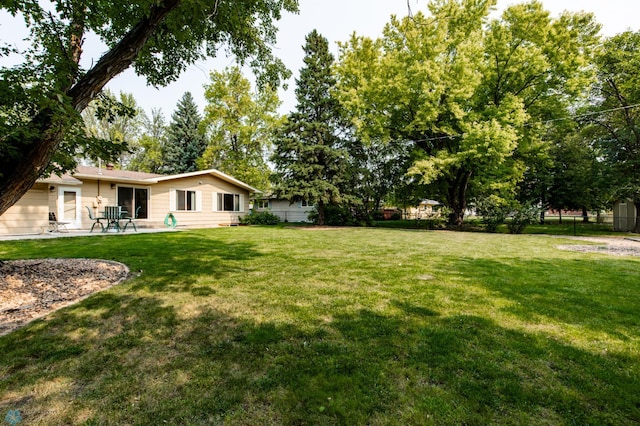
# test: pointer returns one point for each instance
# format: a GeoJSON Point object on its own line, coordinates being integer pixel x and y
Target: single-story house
{"type": "Point", "coordinates": [298, 211]}
{"type": "Point", "coordinates": [197, 199]}
{"type": "Point", "coordinates": [624, 215]}
{"type": "Point", "coordinates": [424, 210]}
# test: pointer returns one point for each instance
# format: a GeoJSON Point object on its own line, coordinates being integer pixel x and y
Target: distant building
{"type": "Point", "coordinates": [624, 215]}
{"type": "Point", "coordinates": [298, 211]}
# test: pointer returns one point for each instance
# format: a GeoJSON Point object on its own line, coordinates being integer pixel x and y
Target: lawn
{"type": "Point", "coordinates": [277, 326]}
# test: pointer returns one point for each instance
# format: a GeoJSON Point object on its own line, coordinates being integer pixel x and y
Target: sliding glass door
{"type": "Point", "coordinates": [132, 199]}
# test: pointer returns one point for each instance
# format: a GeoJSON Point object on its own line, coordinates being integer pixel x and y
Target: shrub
{"type": "Point", "coordinates": [522, 216]}
{"type": "Point", "coordinates": [493, 210]}
{"type": "Point", "coordinates": [377, 215]}
{"type": "Point", "coordinates": [260, 218]}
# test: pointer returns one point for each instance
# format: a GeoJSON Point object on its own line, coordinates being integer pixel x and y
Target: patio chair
{"type": "Point", "coordinates": [96, 219]}
{"type": "Point", "coordinates": [130, 220]}
{"type": "Point", "coordinates": [112, 214]}
{"type": "Point", "coordinates": [55, 225]}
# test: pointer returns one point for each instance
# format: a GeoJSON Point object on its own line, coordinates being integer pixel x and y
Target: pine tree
{"type": "Point", "coordinates": [308, 156]}
{"type": "Point", "coordinates": [185, 139]}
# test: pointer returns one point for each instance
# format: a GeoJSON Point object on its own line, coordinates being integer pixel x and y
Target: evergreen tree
{"type": "Point", "coordinates": [185, 140]}
{"type": "Point", "coordinates": [309, 158]}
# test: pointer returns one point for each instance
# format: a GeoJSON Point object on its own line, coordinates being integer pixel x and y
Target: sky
{"type": "Point", "coordinates": [334, 19]}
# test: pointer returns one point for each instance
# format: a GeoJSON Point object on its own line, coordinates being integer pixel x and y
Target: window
{"type": "Point", "coordinates": [134, 199]}
{"type": "Point", "coordinates": [186, 200]}
{"type": "Point", "coordinates": [305, 203]}
{"type": "Point", "coordinates": [228, 202]}
{"type": "Point", "coordinates": [262, 204]}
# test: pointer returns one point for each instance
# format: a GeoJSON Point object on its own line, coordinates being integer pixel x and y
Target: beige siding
{"type": "Point", "coordinates": [30, 215]}
{"type": "Point", "coordinates": [207, 185]}
{"type": "Point", "coordinates": [90, 191]}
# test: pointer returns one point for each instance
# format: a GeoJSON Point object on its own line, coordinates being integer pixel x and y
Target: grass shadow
{"type": "Point", "coordinates": [122, 360]}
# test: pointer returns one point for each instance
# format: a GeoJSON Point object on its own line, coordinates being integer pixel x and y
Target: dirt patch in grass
{"type": "Point", "coordinates": [31, 289]}
{"type": "Point", "coordinates": [611, 246]}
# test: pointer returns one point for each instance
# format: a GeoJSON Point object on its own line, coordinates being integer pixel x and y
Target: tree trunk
{"type": "Point", "coordinates": [457, 197]}
{"type": "Point", "coordinates": [20, 172]}
{"type": "Point", "coordinates": [19, 175]}
{"type": "Point", "coordinates": [585, 215]}
{"type": "Point", "coordinates": [320, 207]}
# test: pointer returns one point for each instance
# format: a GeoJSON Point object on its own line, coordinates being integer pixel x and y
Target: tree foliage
{"type": "Point", "coordinates": [462, 88]}
{"type": "Point", "coordinates": [240, 126]}
{"type": "Point", "coordinates": [42, 96]}
{"type": "Point", "coordinates": [118, 128]}
{"type": "Point", "coordinates": [185, 138]}
{"type": "Point", "coordinates": [309, 158]}
{"type": "Point", "coordinates": [615, 118]}
{"type": "Point", "coordinates": [148, 156]}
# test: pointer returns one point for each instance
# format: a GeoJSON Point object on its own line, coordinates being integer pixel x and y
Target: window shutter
{"type": "Point", "coordinates": [172, 200]}
{"type": "Point", "coordinates": [215, 202]}
{"type": "Point", "coordinates": [198, 201]}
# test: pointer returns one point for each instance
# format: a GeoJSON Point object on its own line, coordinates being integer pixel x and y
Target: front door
{"type": "Point", "coordinates": [69, 208]}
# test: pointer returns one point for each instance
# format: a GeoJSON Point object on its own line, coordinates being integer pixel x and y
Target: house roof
{"type": "Point", "coordinates": [214, 172]}
{"type": "Point", "coordinates": [65, 179]}
{"type": "Point", "coordinates": [89, 172]}
{"type": "Point", "coordinates": [126, 176]}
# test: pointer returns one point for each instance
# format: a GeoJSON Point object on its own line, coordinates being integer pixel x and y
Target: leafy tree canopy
{"type": "Point", "coordinates": [462, 89]}
{"type": "Point", "coordinates": [240, 126]}
{"type": "Point", "coordinates": [42, 96]}
{"type": "Point", "coordinates": [615, 117]}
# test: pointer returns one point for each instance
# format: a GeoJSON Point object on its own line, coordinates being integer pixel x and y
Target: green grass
{"type": "Point", "coordinates": [569, 226]}
{"type": "Point", "coordinates": [278, 326]}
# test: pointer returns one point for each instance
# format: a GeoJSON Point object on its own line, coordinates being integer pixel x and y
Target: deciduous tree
{"type": "Point", "coordinates": [121, 129]}
{"type": "Point", "coordinates": [616, 117]}
{"type": "Point", "coordinates": [149, 154]}
{"type": "Point", "coordinates": [240, 124]}
{"type": "Point", "coordinates": [41, 98]}
{"type": "Point", "coordinates": [462, 89]}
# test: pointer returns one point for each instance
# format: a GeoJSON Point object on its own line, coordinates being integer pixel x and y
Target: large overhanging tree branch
{"type": "Point", "coordinates": [41, 98]}
{"type": "Point", "coordinates": [120, 57]}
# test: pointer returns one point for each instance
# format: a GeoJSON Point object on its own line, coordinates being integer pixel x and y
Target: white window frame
{"type": "Point", "coordinates": [173, 200]}
{"type": "Point", "coordinates": [238, 202]}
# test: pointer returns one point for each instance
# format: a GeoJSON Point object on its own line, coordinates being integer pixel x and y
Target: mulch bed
{"type": "Point", "coordinates": [31, 289]}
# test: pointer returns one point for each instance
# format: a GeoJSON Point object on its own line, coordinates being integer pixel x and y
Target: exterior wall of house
{"type": "Point", "coordinates": [624, 215]}
{"type": "Point", "coordinates": [91, 189]}
{"type": "Point", "coordinates": [423, 211]}
{"type": "Point", "coordinates": [288, 212]}
{"type": "Point", "coordinates": [207, 187]}
{"type": "Point", "coordinates": [30, 215]}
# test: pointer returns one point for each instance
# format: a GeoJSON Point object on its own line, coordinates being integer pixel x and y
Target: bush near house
{"type": "Point", "coordinates": [260, 218]}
